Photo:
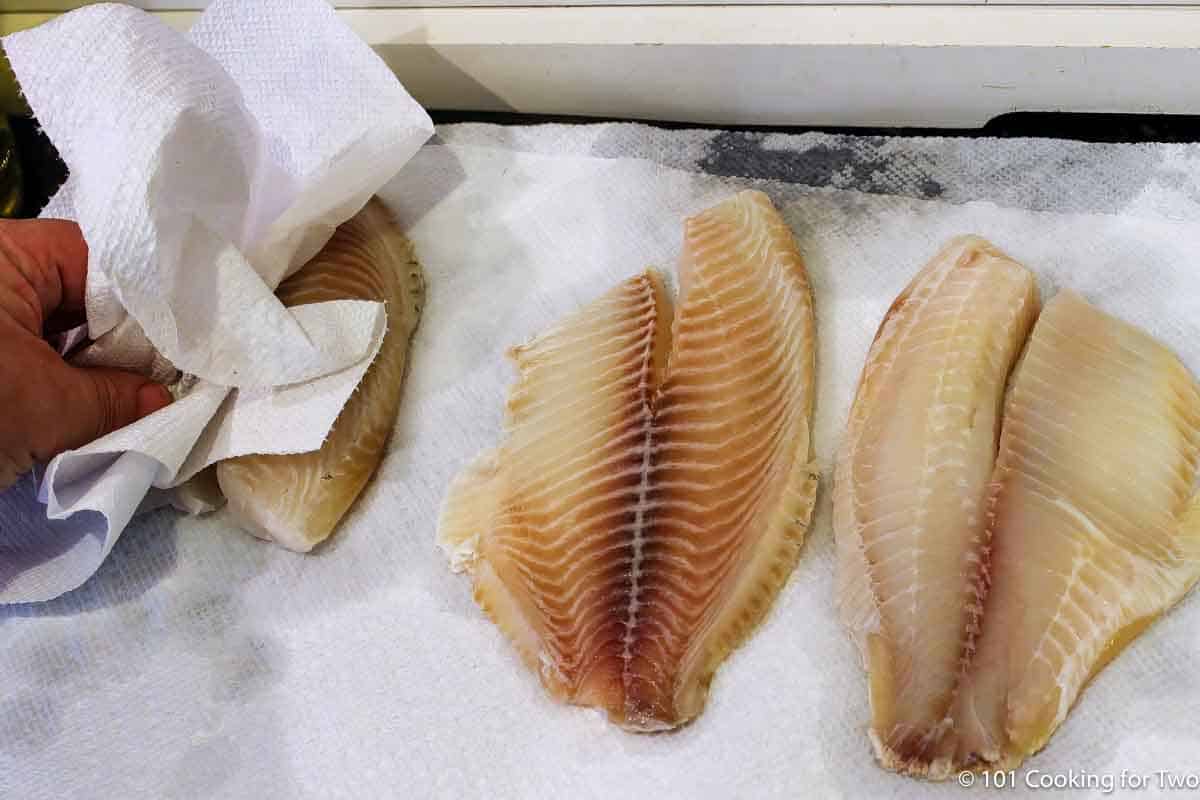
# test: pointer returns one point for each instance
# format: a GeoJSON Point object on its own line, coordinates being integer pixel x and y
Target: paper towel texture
{"type": "Point", "coordinates": [204, 168]}
{"type": "Point", "coordinates": [1037, 174]}
{"type": "Point", "coordinates": [366, 670]}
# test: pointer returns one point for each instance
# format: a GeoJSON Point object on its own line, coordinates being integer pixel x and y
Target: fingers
{"type": "Point", "coordinates": [62, 321]}
{"type": "Point", "coordinates": [43, 269]}
{"type": "Point", "coordinates": [94, 402]}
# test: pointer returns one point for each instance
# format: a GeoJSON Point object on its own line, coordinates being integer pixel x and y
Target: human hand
{"type": "Point", "coordinates": [46, 405]}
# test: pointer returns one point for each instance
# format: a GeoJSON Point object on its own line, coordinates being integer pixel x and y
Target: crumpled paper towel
{"type": "Point", "coordinates": [367, 671]}
{"type": "Point", "coordinates": [204, 169]}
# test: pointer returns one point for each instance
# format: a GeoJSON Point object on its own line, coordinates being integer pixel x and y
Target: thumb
{"type": "Point", "coordinates": [98, 401]}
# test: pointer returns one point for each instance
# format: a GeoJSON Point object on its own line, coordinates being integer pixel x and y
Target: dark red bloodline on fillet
{"type": "Point", "coordinates": [649, 680]}
{"type": "Point", "coordinates": [606, 678]}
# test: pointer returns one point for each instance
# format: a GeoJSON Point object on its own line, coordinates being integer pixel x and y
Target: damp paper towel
{"type": "Point", "coordinates": [204, 168]}
{"type": "Point", "coordinates": [200, 663]}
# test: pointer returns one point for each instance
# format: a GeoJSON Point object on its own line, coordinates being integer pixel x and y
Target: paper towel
{"type": "Point", "coordinates": [367, 671]}
{"type": "Point", "coordinates": [204, 168]}
{"type": "Point", "coordinates": [1150, 179]}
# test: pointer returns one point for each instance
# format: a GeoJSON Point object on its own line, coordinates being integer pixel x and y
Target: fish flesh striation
{"type": "Point", "coordinates": [911, 483]}
{"type": "Point", "coordinates": [991, 563]}
{"type": "Point", "coordinates": [731, 483]}
{"type": "Point", "coordinates": [1094, 531]}
{"type": "Point", "coordinates": [298, 499]}
{"type": "Point", "coordinates": [654, 484]}
{"type": "Point", "coordinates": [548, 522]}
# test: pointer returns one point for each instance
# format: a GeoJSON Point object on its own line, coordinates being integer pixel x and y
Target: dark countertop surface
{"type": "Point", "coordinates": [43, 172]}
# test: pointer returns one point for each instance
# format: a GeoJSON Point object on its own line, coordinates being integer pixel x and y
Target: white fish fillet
{"type": "Point", "coordinates": [642, 513]}
{"type": "Point", "coordinates": [986, 582]}
{"type": "Point", "coordinates": [910, 488]}
{"type": "Point", "coordinates": [1095, 529]}
{"type": "Point", "coordinates": [297, 500]}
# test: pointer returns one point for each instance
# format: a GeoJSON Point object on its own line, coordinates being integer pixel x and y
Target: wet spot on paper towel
{"type": "Point", "coordinates": [858, 164]}
{"type": "Point", "coordinates": [243, 661]}
{"type": "Point", "coordinates": [248, 666]}
{"type": "Point", "coordinates": [1036, 174]}
{"type": "Point", "coordinates": [207, 615]}
{"type": "Point", "coordinates": [50, 663]}
{"type": "Point", "coordinates": [61, 659]}
{"type": "Point", "coordinates": [28, 723]}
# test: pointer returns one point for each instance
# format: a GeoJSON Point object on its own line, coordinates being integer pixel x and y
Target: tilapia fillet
{"type": "Point", "coordinates": [654, 484]}
{"type": "Point", "coordinates": [986, 581]}
{"type": "Point", "coordinates": [1094, 529]}
{"type": "Point", "coordinates": [910, 493]}
{"type": "Point", "coordinates": [298, 499]}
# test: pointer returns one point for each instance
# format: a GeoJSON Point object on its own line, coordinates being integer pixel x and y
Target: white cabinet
{"type": "Point", "coordinates": [954, 65]}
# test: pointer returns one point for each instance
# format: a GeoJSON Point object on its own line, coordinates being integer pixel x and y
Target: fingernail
{"type": "Point", "coordinates": [151, 397]}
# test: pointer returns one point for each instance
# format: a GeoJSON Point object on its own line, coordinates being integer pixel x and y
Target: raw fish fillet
{"type": "Point", "coordinates": [654, 485]}
{"type": "Point", "coordinates": [986, 582]}
{"type": "Point", "coordinates": [910, 489]}
{"type": "Point", "coordinates": [1095, 529]}
{"type": "Point", "coordinates": [297, 500]}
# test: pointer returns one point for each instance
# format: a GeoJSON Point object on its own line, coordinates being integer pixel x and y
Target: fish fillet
{"type": "Point", "coordinates": [298, 499]}
{"type": "Point", "coordinates": [990, 564]}
{"type": "Point", "coordinates": [654, 484]}
{"type": "Point", "coordinates": [910, 489]}
{"type": "Point", "coordinates": [1095, 529]}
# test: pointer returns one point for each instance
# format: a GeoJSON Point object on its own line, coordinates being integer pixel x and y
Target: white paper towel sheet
{"type": "Point", "coordinates": [204, 168]}
{"type": "Point", "coordinates": [199, 663]}
{"type": "Point", "coordinates": [1145, 179]}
